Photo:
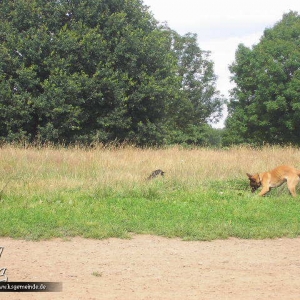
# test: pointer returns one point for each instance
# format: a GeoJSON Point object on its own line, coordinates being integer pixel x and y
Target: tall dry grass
{"type": "Point", "coordinates": [50, 169]}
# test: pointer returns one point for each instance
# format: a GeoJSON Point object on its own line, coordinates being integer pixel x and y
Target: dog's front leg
{"type": "Point", "coordinates": [264, 190]}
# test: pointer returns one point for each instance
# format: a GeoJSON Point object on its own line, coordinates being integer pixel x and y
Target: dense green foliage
{"type": "Point", "coordinates": [200, 102]}
{"type": "Point", "coordinates": [100, 70]}
{"type": "Point", "coordinates": [265, 105]}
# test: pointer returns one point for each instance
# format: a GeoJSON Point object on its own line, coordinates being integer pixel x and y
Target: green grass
{"type": "Point", "coordinates": [100, 193]}
{"type": "Point", "coordinates": [214, 210]}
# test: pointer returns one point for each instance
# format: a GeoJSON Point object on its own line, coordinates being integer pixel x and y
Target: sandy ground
{"type": "Point", "coordinates": [150, 267]}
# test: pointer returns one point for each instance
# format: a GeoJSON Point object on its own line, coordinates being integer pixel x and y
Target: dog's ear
{"type": "Point", "coordinates": [249, 176]}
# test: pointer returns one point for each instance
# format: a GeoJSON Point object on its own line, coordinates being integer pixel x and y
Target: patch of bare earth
{"type": "Point", "coordinates": [151, 267]}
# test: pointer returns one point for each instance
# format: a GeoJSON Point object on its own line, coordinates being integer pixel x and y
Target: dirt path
{"type": "Point", "coordinates": [150, 267]}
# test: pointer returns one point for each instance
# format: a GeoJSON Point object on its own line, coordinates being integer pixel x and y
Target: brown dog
{"type": "Point", "coordinates": [275, 178]}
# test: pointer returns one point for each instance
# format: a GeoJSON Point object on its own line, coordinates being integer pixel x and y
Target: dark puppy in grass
{"type": "Point", "coordinates": [156, 173]}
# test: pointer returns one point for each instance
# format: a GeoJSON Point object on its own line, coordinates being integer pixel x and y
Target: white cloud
{"type": "Point", "coordinates": [223, 55]}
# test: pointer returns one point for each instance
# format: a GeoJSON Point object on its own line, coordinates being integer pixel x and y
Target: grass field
{"type": "Point", "coordinates": [103, 192]}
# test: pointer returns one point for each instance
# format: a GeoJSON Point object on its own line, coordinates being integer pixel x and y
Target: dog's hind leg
{"type": "Point", "coordinates": [291, 184]}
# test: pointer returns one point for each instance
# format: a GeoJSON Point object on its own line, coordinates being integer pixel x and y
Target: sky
{"type": "Point", "coordinates": [221, 25]}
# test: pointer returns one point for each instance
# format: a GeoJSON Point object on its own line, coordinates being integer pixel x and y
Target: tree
{"type": "Point", "coordinates": [200, 101]}
{"type": "Point", "coordinates": [95, 70]}
{"type": "Point", "coordinates": [83, 71]}
{"type": "Point", "coordinates": [265, 105]}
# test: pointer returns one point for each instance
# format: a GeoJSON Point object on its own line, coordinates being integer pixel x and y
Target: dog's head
{"type": "Point", "coordinates": [255, 182]}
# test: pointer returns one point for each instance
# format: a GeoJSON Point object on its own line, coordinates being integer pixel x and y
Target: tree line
{"type": "Point", "coordinates": [265, 104]}
{"type": "Point", "coordinates": [79, 71]}
{"type": "Point", "coordinates": [101, 71]}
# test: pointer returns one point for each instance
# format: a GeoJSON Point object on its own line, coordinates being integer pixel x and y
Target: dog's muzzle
{"type": "Point", "coordinates": [253, 189]}
{"type": "Point", "coordinates": [255, 186]}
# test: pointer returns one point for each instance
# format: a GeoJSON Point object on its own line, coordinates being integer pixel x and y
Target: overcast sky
{"type": "Point", "coordinates": [221, 25]}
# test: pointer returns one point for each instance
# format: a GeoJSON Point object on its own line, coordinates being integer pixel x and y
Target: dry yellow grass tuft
{"type": "Point", "coordinates": [49, 168]}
